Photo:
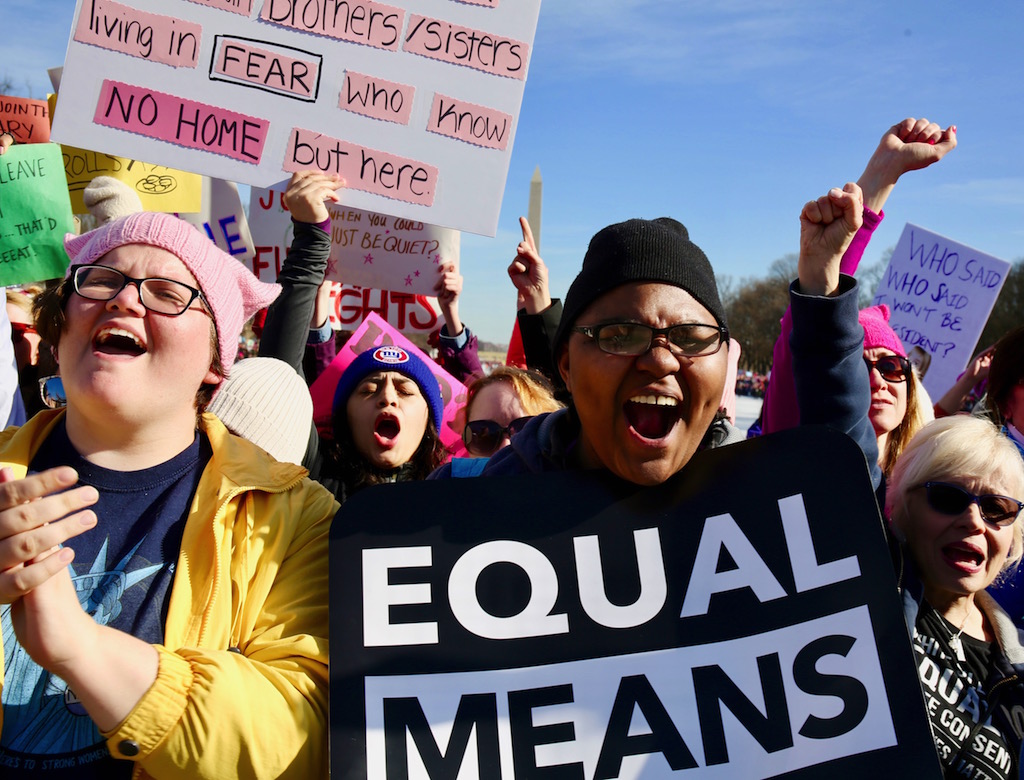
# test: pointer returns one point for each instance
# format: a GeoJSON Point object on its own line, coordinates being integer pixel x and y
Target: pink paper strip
{"type": "Point", "coordinates": [362, 168]}
{"type": "Point", "coordinates": [377, 98]}
{"type": "Point", "coordinates": [441, 40]}
{"type": "Point", "coordinates": [244, 7]}
{"type": "Point", "coordinates": [469, 122]}
{"type": "Point", "coordinates": [180, 121]}
{"type": "Point", "coordinates": [375, 332]}
{"type": "Point", "coordinates": [270, 67]}
{"type": "Point", "coordinates": [147, 36]}
{"type": "Point", "coordinates": [366, 22]}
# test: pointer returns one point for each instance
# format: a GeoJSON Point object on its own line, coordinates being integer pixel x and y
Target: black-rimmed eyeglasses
{"type": "Point", "coordinates": [159, 295]}
{"type": "Point", "coordinates": [634, 338]}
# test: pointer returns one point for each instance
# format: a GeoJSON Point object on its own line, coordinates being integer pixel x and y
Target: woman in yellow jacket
{"type": "Point", "coordinates": [166, 580]}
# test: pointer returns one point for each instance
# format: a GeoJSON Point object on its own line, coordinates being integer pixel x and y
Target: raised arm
{"type": "Point", "coordinates": [459, 347]}
{"type": "Point", "coordinates": [537, 313]}
{"type": "Point", "coordinates": [287, 326]}
{"type": "Point", "coordinates": [910, 145]}
{"type": "Point", "coordinates": [827, 341]}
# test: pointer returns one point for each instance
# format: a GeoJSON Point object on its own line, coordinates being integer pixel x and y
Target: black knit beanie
{"type": "Point", "coordinates": [640, 250]}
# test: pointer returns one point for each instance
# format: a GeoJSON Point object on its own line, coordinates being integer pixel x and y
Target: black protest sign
{"type": "Point", "coordinates": [741, 620]}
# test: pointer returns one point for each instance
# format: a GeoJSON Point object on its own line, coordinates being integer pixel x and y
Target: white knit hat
{"type": "Point", "coordinates": [265, 401]}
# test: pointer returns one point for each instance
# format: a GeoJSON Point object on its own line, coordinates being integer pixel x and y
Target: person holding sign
{"type": "Point", "coordinates": [953, 502]}
{"type": "Point", "coordinates": [165, 580]}
{"type": "Point", "coordinates": [387, 409]}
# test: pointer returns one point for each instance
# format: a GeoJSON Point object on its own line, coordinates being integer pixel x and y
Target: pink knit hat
{"type": "Point", "coordinates": [230, 289]}
{"type": "Point", "coordinates": [877, 333]}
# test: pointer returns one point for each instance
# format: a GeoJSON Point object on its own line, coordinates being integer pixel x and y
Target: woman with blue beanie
{"type": "Point", "coordinates": [386, 416]}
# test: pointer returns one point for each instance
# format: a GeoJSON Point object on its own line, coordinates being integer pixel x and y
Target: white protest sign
{"type": "Point", "coordinates": [413, 103]}
{"type": "Point", "coordinates": [367, 249]}
{"type": "Point", "coordinates": [396, 251]}
{"type": "Point", "coordinates": [222, 218]}
{"type": "Point", "coordinates": [596, 633]}
{"type": "Point", "coordinates": [939, 293]}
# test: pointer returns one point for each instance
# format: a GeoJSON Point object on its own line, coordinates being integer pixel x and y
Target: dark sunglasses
{"type": "Point", "coordinates": [19, 329]}
{"type": "Point", "coordinates": [954, 500]}
{"type": "Point", "coordinates": [483, 437]}
{"type": "Point", "coordinates": [893, 368]}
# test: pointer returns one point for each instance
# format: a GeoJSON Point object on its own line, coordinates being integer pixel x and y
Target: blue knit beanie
{"type": "Point", "coordinates": [391, 358]}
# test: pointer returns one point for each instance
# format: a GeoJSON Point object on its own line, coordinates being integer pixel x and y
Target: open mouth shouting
{"type": "Point", "coordinates": [964, 557]}
{"type": "Point", "coordinates": [386, 430]}
{"type": "Point", "coordinates": [117, 341]}
{"type": "Point", "coordinates": [652, 417]}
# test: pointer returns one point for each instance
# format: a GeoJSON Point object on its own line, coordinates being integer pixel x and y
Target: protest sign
{"type": "Point", "coordinates": [405, 312]}
{"type": "Point", "coordinates": [414, 103]}
{"type": "Point", "coordinates": [223, 219]}
{"type": "Point", "coordinates": [375, 332]}
{"type": "Point", "coordinates": [35, 214]}
{"type": "Point", "coordinates": [570, 625]}
{"type": "Point", "coordinates": [367, 249]}
{"type": "Point", "coordinates": [26, 119]}
{"type": "Point", "coordinates": [939, 293]}
{"type": "Point", "coordinates": [159, 188]}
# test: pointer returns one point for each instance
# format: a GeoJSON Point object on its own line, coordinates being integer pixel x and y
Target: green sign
{"type": "Point", "coordinates": [35, 214]}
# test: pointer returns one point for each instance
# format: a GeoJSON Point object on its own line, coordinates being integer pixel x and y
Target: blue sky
{"type": "Point", "coordinates": [725, 114]}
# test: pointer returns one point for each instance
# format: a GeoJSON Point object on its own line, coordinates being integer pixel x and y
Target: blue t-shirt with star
{"type": "Point", "coordinates": [123, 570]}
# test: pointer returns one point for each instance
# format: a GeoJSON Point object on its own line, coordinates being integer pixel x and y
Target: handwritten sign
{"type": "Point", "coordinates": [597, 633]}
{"type": "Point", "coordinates": [223, 219]}
{"type": "Point", "coordinates": [35, 214]}
{"type": "Point", "coordinates": [159, 188]}
{"type": "Point", "coordinates": [367, 249]}
{"type": "Point", "coordinates": [375, 332]}
{"type": "Point", "coordinates": [26, 119]}
{"type": "Point", "coordinates": [939, 293]}
{"type": "Point", "coordinates": [414, 102]}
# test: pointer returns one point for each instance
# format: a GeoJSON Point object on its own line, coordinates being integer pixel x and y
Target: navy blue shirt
{"type": "Point", "coordinates": [123, 571]}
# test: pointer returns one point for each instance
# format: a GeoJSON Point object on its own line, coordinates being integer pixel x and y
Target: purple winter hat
{"type": "Point", "coordinates": [233, 293]}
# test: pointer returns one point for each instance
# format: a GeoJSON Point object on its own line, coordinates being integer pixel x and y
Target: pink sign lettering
{"type": "Point", "coordinates": [153, 37]}
{"type": "Point", "coordinates": [181, 121]}
{"type": "Point", "coordinates": [377, 98]}
{"type": "Point", "coordinates": [469, 122]}
{"type": "Point", "coordinates": [270, 67]}
{"type": "Point", "coordinates": [362, 169]}
{"type": "Point", "coordinates": [375, 332]}
{"type": "Point", "coordinates": [366, 22]}
{"type": "Point", "coordinates": [447, 42]}
{"type": "Point", "coordinates": [244, 7]}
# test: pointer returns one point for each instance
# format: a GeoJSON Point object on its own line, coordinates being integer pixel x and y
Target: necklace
{"type": "Point", "coordinates": [955, 643]}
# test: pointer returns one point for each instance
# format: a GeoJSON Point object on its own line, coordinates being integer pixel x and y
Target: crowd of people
{"type": "Point", "coordinates": [165, 507]}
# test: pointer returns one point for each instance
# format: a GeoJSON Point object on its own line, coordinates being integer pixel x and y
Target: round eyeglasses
{"type": "Point", "coordinates": [634, 338]}
{"type": "Point", "coordinates": [159, 295]}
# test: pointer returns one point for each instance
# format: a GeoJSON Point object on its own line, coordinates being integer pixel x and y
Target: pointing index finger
{"type": "Point", "coordinates": [524, 223]}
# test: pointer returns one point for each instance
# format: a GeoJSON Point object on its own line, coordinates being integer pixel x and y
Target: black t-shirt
{"type": "Point", "coordinates": [123, 571]}
{"type": "Point", "coordinates": [974, 733]}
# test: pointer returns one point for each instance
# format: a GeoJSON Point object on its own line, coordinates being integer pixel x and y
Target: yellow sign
{"type": "Point", "coordinates": [159, 188]}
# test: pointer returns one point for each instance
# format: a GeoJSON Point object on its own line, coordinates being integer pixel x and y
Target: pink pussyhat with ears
{"type": "Point", "coordinates": [877, 332]}
{"type": "Point", "coordinates": [231, 291]}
